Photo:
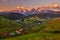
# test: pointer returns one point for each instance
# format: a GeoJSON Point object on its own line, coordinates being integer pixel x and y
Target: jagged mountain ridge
{"type": "Point", "coordinates": [42, 14]}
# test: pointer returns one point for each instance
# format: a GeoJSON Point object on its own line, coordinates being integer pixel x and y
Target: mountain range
{"type": "Point", "coordinates": [33, 12]}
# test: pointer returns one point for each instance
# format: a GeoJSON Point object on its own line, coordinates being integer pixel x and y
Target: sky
{"type": "Point", "coordinates": [27, 3]}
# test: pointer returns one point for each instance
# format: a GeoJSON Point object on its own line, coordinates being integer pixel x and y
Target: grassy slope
{"type": "Point", "coordinates": [54, 24]}
{"type": "Point", "coordinates": [37, 36]}
{"type": "Point", "coordinates": [8, 25]}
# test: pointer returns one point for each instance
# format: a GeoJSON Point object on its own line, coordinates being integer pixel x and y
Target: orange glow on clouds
{"type": "Point", "coordinates": [52, 6]}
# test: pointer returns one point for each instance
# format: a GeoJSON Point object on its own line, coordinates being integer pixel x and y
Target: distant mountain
{"type": "Point", "coordinates": [15, 16]}
{"type": "Point", "coordinates": [33, 12]}
{"type": "Point", "coordinates": [4, 13]}
{"type": "Point", "coordinates": [12, 16]}
{"type": "Point", "coordinates": [42, 15]}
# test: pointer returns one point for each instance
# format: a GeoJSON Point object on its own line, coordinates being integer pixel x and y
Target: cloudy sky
{"type": "Point", "coordinates": [28, 3]}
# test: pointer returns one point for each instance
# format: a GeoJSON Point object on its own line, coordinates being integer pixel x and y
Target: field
{"type": "Point", "coordinates": [51, 30]}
